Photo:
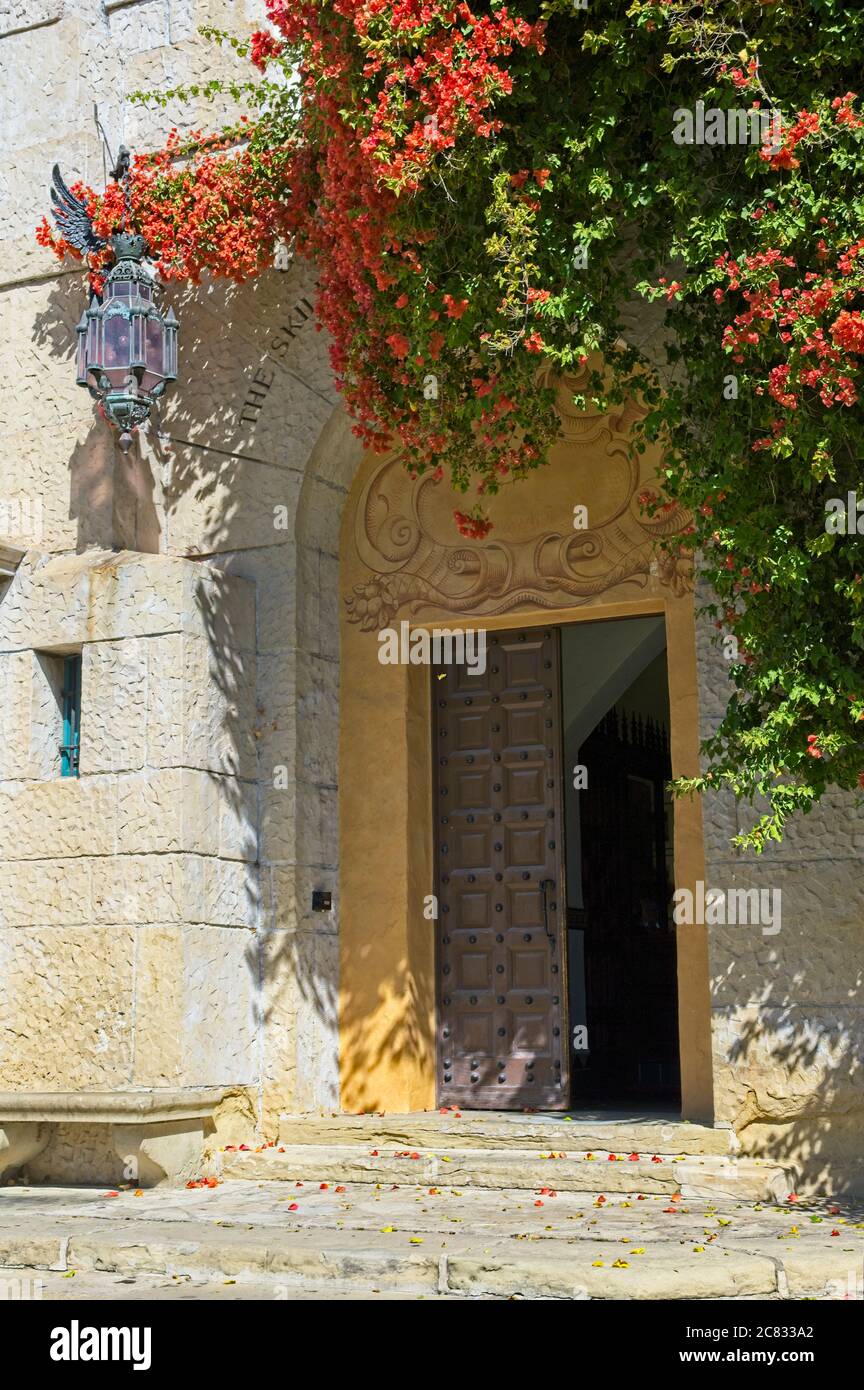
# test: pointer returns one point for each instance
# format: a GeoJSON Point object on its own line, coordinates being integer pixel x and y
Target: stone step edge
{"type": "Point", "coordinates": [600, 1158]}
{"type": "Point", "coordinates": [531, 1275]}
{"type": "Point", "coordinates": [473, 1132]}
{"type": "Point", "coordinates": [522, 1170]}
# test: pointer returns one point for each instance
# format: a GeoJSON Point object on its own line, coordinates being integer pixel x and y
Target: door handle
{"type": "Point", "coordinates": [544, 885]}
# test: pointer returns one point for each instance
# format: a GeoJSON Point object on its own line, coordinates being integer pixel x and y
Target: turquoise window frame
{"type": "Point", "coordinates": [70, 748]}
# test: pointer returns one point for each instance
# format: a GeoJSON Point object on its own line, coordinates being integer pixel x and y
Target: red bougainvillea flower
{"type": "Point", "coordinates": [474, 527]}
{"type": "Point", "coordinates": [263, 47]}
{"type": "Point", "coordinates": [847, 330]}
{"type": "Point", "coordinates": [455, 307]}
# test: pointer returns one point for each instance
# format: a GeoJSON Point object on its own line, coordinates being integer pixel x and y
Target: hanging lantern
{"type": "Point", "coordinates": [127, 350]}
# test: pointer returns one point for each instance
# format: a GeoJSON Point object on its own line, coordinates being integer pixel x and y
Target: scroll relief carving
{"type": "Point", "coordinates": [404, 533]}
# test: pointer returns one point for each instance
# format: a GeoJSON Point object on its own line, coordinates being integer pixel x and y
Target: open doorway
{"type": "Point", "coordinates": [621, 950]}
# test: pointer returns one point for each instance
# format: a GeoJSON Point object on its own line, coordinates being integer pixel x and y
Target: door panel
{"type": "Point", "coordinates": [502, 1015]}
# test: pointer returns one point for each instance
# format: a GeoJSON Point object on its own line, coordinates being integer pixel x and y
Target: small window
{"type": "Point", "coordinates": [71, 709]}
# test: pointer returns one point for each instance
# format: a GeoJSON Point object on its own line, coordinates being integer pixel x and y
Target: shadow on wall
{"type": "Point", "coordinates": [112, 498]}
{"type": "Point", "coordinates": [248, 468]}
{"type": "Point", "coordinates": [788, 993]}
{"type": "Point", "coordinates": [796, 1078]}
{"type": "Point", "coordinates": [404, 1042]}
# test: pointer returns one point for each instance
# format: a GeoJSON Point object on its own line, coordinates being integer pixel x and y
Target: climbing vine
{"type": "Point", "coordinates": [489, 188]}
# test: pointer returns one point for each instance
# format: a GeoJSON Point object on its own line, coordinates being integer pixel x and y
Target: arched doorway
{"type": "Point", "coordinates": [401, 561]}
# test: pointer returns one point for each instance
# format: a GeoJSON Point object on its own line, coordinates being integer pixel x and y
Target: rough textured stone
{"type": "Point", "coordinates": [195, 1020]}
{"type": "Point", "coordinates": [66, 1007]}
{"type": "Point", "coordinates": [114, 706]}
{"type": "Point", "coordinates": [66, 817]}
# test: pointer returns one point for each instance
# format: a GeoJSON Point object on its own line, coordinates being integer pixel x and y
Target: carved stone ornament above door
{"type": "Point", "coordinates": [417, 564]}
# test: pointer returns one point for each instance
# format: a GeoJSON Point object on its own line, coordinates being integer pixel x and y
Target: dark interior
{"type": "Point", "coordinates": [622, 955]}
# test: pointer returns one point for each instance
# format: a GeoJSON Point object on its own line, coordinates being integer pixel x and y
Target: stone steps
{"type": "Point", "coordinates": [450, 1129]}
{"type": "Point", "coordinates": [366, 1240]}
{"type": "Point", "coordinates": [743, 1179]}
{"type": "Point", "coordinates": [106, 1286]}
{"type": "Point", "coordinates": [295, 1264]}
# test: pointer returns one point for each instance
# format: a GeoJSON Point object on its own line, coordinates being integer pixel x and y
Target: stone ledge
{"type": "Point", "coordinates": [109, 1107]}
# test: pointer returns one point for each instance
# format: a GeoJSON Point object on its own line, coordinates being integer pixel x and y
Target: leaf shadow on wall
{"type": "Point", "coordinates": [235, 441]}
{"type": "Point", "coordinates": [789, 1010]}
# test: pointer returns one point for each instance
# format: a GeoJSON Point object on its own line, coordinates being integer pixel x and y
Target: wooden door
{"type": "Point", "coordinates": [502, 997]}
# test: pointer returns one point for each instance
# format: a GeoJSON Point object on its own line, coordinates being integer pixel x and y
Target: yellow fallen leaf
{"type": "Point", "coordinates": [416, 1240]}
{"type": "Point", "coordinates": [70, 1274]}
{"type": "Point", "coordinates": [640, 1250]}
{"type": "Point", "coordinates": [597, 1264]}
{"type": "Point", "coordinates": [620, 1264]}
{"type": "Point", "coordinates": [698, 1249]}
{"type": "Point", "coordinates": [386, 1230]}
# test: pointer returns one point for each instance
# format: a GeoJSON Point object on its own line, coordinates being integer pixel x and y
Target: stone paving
{"type": "Point", "coordinates": [281, 1240]}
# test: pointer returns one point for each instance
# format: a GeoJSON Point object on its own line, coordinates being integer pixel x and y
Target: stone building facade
{"type": "Point", "coordinates": [164, 968]}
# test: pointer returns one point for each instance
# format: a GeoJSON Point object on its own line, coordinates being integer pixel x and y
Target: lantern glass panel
{"type": "Point", "coordinates": [81, 363]}
{"type": "Point", "coordinates": [171, 353]}
{"type": "Point", "coordinates": [155, 346]}
{"type": "Point", "coordinates": [154, 352]}
{"type": "Point", "coordinates": [94, 345]}
{"type": "Point", "coordinates": [138, 359]}
{"type": "Point", "coordinates": [117, 341]}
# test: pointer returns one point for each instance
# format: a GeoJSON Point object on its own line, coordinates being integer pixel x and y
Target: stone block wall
{"type": "Point", "coordinates": [129, 896]}
{"type": "Point", "coordinates": [788, 1006]}
{"type": "Point", "coordinates": [186, 854]}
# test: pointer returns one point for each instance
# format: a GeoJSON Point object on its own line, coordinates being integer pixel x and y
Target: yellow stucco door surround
{"type": "Point", "coordinates": [402, 559]}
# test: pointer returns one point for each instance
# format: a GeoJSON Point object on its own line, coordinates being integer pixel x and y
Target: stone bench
{"type": "Point", "coordinates": [157, 1136]}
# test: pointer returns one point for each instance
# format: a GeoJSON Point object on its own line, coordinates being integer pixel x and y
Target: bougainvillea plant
{"type": "Point", "coordinates": [487, 188]}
